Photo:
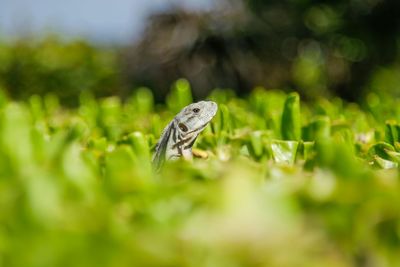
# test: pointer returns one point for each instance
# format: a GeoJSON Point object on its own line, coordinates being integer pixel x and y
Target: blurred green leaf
{"type": "Point", "coordinates": [16, 142]}
{"type": "Point", "coordinates": [392, 132]}
{"type": "Point", "coordinates": [284, 151]}
{"type": "Point", "coordinates": [142, 101]}
{"type": "Point", "coordinates": [291, 121]}
{"type": "Point", "coordinates": [318, 130]}
{"type": "Point", "coordinates": [384, 155]}
{"type": "Point", "coordinates": [180, 96]}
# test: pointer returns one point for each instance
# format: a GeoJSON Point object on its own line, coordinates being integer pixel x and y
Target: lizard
{"type": "Point", "coordinates": [180, 134]}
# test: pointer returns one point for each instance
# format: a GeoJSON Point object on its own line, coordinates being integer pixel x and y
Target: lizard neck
{"type": "Point", "coordinates": [180, 144]}
{"type": "Point", "coordinates": [173, 144]}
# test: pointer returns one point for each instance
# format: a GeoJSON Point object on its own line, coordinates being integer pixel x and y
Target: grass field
{"type": "Point", "coordinates": [281, 183]}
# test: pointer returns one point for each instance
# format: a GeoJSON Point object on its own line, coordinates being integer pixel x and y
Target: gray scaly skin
{"type": "Point", "coordinates": [180, 134]}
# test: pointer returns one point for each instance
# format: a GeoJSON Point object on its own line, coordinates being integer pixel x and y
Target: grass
{"type": "Point", "coordinates": [285, 183]}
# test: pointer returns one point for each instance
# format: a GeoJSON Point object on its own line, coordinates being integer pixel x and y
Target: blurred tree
{"type": "Point", "coordinates": [344, 48]}
{"type": "Point", "coordinates": [316, 47]}
{"type": "Point", "coordinates": [49, 65]}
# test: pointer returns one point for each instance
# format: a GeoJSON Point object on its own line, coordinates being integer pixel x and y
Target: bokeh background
{"type": "Point", "coordinates": [319, 48]}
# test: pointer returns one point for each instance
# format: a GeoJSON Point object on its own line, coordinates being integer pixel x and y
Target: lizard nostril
{"type": "Point", "coordinates": [183, 127]}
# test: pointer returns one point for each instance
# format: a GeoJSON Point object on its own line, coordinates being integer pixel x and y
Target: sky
{"type": "Point", "coordinates": [117, 21]}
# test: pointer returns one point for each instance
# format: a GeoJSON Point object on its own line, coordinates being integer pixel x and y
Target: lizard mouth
{"type": "Point", "coordinates": [197, 129]}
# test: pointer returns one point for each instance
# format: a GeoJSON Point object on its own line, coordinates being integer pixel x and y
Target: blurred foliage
{"type": "Point", "coordinates": [339, 48]}
{"type": "Point", "coordinates": [77, 187]}
{"type": "Point", "coordinates": [317, 48]}
{"type": "Point", "coordinates": [52, 66]}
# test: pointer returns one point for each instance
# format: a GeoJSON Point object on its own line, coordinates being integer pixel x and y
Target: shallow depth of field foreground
{"type": "Point", "coordinates": [277, 182]}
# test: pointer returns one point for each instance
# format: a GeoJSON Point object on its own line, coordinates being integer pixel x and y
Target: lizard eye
{"type": "Point", "coordinates": [196, 110]}
{"type": "Point", "coordinates": [183, 127]}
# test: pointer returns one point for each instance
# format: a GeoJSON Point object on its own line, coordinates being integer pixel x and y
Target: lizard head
{"type": "Point", "coordinates": [194, 118]}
